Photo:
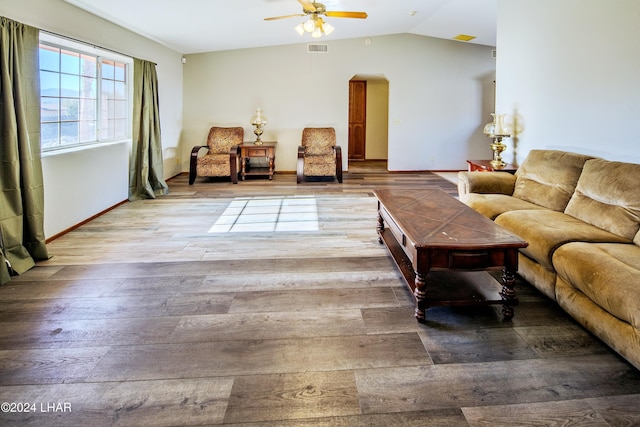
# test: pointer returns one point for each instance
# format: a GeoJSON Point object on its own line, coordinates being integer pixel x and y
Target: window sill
{"type": "Point", "coordinates": [78, 148]}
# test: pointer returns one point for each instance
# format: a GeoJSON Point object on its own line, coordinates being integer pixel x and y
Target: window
{"type": "Point", "coordinates": [84, 94]}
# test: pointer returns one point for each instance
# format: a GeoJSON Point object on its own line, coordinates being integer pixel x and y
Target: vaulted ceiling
{"type": "Point", "coordinates": [193, 26]}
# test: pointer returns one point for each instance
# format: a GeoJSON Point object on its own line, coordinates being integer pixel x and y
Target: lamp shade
{"type": "Point", "coordinates": [498, 127]}
{"type": "Point", "coordinates": [258, 119]}
{"type": "Point", "coordinates": [489, 129]}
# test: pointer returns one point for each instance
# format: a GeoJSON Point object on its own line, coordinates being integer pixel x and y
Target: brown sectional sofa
{"type": "Point", "coordinates": [581, 218]}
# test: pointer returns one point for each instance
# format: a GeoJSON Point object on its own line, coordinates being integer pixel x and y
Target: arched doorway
{"type": "Point", "coordinates": [368, 120]}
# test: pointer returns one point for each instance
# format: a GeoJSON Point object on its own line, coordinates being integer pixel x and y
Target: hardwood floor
{"type": "Point", "coordinates": [145, 316]}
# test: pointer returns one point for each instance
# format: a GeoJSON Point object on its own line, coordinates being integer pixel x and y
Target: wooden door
{"type": "Point", "coordinates": [357, 119]}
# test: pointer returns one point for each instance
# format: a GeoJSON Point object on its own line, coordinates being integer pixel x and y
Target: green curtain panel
{"type": "Point", "coordinates": [146, 172]}
{"type": "Point", "coordinates": [22, 237]}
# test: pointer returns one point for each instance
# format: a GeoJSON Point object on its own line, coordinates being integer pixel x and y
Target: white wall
{"type": "Point", "coordinates": [81, 184]}
{"type": "Point", "coordinates": [437, 93]}
{"type": "Point", "coordinates": [572, 70]}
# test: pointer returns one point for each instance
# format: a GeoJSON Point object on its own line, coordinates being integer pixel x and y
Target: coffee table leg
{"type": "Point", "coordinates": [421, 296]}
{"type": "Point", "coordinates": [508, 293]}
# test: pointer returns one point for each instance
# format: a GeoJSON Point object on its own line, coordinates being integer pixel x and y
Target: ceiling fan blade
{"type": "Point", "coordinates": [284, 16]}
{"type": "Point", "coordinates": [359, 15]}
{"type": "Point", "coordinates": [307, 6]}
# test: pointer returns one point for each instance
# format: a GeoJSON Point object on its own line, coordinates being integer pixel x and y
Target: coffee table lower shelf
{"type": "Point", "coordinates": [448, 287]}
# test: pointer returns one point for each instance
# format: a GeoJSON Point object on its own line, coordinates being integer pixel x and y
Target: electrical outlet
{"type": "Point", "coordinates": [177, 160]}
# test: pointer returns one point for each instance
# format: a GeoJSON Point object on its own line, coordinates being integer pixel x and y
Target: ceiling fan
{"type": "Point", "coordinates": [315, 24]}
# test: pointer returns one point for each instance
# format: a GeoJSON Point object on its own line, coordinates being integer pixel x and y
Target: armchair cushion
{"type": "Point", "coordinates": [213, 165]}
{"type": "Point", "coordinates": [220, 140]}
{"type": "Point", "coordinates": [321, 165]}
{"type": "Point", "coordinates": [318, 141]}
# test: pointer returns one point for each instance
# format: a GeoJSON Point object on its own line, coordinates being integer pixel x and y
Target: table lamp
{"type": "Point", "coordinates": [497, 130]}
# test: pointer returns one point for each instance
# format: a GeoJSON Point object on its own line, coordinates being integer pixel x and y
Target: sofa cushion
{"type": "Point", "coordinates": [546, 230]}
{"type": "Point", "coordinates": [549, 177]}
{"type": "Point", "coordinates": [608, 196]}
{"type": "Point", "coordinates": [607, 273]}
{"type": "Point", "coordinates": [492, 205]}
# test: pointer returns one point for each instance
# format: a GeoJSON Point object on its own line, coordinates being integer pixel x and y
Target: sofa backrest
{"type": "Point", "coordinates": [608, 197]}
{"type": "Point", "coordinates": [549, 177]}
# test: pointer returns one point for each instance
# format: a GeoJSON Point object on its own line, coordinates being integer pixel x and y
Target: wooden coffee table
{"type": "Point", "coordinates": [443, 248]}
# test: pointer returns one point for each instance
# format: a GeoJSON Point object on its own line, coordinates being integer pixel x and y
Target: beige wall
{"type": "Point", "coordinates": [377, 119]}
{"type": "Point", "coordinates": [437, 91]}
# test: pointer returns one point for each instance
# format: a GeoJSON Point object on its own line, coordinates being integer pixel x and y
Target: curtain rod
{"type": "Point", "coordinates": [91, 44]}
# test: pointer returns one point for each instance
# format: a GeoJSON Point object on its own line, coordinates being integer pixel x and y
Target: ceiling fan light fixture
{"type": "Point", "coordinates": [315, 24]}
{"type": "Point", "coordinates": [327, 28]}
{"type": "Point", "coordinates": [310, 25]}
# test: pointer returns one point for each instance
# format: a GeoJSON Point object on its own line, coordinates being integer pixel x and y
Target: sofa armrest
{"type": "Point", "coordinates": [486, 183]}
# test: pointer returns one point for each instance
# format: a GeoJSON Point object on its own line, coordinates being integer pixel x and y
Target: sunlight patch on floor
{"type": "Point", "coordinates": [268, 214]}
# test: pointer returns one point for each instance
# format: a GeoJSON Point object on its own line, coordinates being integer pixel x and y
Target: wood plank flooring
{"type": "Point", "coordinates": [142, 317]}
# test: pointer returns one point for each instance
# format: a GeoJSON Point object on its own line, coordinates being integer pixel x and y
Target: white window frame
{"type": "Point", "coordinates": [101, 54]}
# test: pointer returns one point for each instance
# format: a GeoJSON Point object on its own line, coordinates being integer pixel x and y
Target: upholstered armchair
{"type": "Point", "coordinates": [222, 156]}
{"type": "Point", "coordinates": [319, 156]}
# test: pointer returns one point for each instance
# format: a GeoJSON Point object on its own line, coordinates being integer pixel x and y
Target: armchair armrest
{"type": "Point", "coordinates": [300, 164]}
{"type": "Point", "coordinates": [193, 160]}
{"type": "Point", "coordinates": [486, 182]}
{"type": "Point", "coordinates": [338, 163]}
{"type": "Point", "coordinates": [234, 154]}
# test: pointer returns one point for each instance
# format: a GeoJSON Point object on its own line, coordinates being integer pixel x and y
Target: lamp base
{"type": "Point", "coordinates": [258, 133]}
{"type": "Point", "coordinates": [498, 147]}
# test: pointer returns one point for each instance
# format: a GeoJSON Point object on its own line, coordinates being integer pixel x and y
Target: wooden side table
{"type": "Point", "coordinates": [266, 151]}
{"type": "Point", "coordinates": [485, 166]}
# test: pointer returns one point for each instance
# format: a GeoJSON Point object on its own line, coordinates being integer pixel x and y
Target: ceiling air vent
{"type": "Point", "coordinates": [317, 48]}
